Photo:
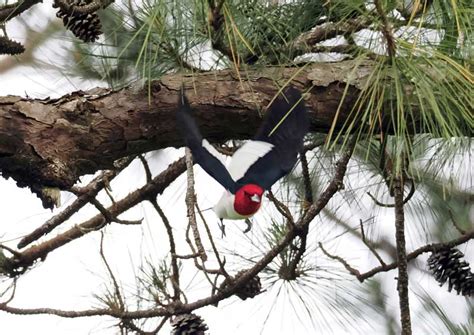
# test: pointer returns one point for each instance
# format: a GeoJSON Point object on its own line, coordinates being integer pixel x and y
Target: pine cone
{"type": "Point", "coordinates": [447, 265]}
{"type": "Point", "coordinates": [84, 26]}
{"type": "Point", "coordinates": [10, 47]}
{"type": "Point", "coordinates": [188, 324]}
{"type": "Point", "coordinates": [251, 289]}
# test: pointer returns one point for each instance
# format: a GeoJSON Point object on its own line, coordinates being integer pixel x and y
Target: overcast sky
{"type": "Point", "coordinates": [69, 276]}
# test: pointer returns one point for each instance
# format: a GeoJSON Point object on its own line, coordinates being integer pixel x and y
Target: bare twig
{"type": "Point", "coordinates": [383, 244]}
{"type": "Point", "coordinates": [174, 263]}
{"type": "Point", "coordinates": [12, 286]}
{"type": "Point", "coordinates": [281, 207]}
{"type": "Point", "coordinates": [15, 253]}
{"type": "Point", "coordinates": [151, 189]}
{"type": "Point", "coordinates": [109, 217]}
{"type": "Point", "coordinates": [118, 295]}
{"type": "Point", "coordinates": [190, 203]}
{"type": "Point", "coordinates": [86, 194]}
{"type": "Point", "coordinates": [341, 260]}
{"type": "Point", "coordinates": [195, 255]}
{"type": "Point", "coordinates": [189, 256]}
{"type": "Point", "coordinates": [369, 244]}
{"type": "Point", "coordinates": [412, 255]}
{"type": "Point", "coordinates": [408, 197]}
{"type": "Point", "coordinates": [160, 325]}
{"type": "Point", "coordinates": [146, 167]}
{"type": "Point", "coordinates": [211, 240]}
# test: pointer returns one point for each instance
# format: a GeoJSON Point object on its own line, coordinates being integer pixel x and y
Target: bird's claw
{"type": "Point", "coordinates": [222, 228]}
{"type": "Point", "coordinates": [249, 226]}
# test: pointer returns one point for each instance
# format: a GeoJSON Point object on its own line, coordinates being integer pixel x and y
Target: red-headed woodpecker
{"type": "Point", "coordinates": [259, 163]}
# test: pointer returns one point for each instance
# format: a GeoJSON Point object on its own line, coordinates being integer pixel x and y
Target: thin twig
{"type": "Point", "coordinates": [369, 244]}
{"type": "Point", "coordinates": [198, 255]}
{"type": "Point", "coordinates": [13, 285]}
{"type": "Point", "coordinates": [190, 201]}
{"type": "Point", "coordinates": [174, 262]}
{"type": "Point", "coordinates": [408, 198]}
{"type": "Point", "coordinates": [281, 207]}
{"type": "Point", "coordinates": [146, 166]}
{"type": "Point", "coordinates": [211, 240]}
{"type": "Point", "coordinates": [151, 189]}
{"type": "Point", "coordinates": [111, 274]}
{"type": "Point", "coordinates": [109, 217]}
{"type": "Point", "coordinates": [291, 269]}
{"type": "Point", "coordinates": [15, 253]}
{"type": "Point", "coordinates": [433, 247]}
{"type": "Point", "coordinates": [341, 260]}
{"type": "Point", "coordinates": [160, 325]}
{"type": "Point", "coordinates": [86, 194]}
{"type": "Point", "coordinates": [189, 256]}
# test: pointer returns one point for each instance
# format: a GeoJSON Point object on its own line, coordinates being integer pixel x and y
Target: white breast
{"type": "Point", "coordinates": [241, 161]}
{"type": "Point", "coordinates": [224, 208]}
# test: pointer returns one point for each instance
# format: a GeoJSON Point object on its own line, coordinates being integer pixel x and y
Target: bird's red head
{"type": "Point", "coordinates": [248, 199]}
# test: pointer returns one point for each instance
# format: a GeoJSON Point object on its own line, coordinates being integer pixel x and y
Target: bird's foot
{"type": "Point", "coordinates": [222, 227]}
{"type": "Point", "coordinates": [249, 226]}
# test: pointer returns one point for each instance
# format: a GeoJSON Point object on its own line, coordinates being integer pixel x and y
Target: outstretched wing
{"type": "Point", "coordinates": [203, 152]}
{"type": "Point", "coordinates": [284, 126]}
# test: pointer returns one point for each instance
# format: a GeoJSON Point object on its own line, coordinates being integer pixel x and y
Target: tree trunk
{"type": "Point", "coordinates": [52, 142]}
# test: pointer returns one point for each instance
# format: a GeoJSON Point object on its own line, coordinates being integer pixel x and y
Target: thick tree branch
{"type": "Point", "coordinates": [52, 142]}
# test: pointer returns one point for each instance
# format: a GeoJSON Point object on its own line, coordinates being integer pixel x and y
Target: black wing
{"type": "Point", "coordinates": [201, 149]}
{"type": "Point", "coordinates": [285, 125]}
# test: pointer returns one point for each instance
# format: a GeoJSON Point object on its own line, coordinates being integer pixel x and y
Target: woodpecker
{"type": "Point", "coordinates": [259, 163]}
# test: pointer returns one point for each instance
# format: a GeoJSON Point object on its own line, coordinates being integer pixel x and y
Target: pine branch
{"type": "Point", "coordinates": [433, 247]}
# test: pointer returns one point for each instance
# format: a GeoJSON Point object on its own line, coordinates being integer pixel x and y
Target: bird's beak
{"type": "Point", "coordinates": [255, 198]}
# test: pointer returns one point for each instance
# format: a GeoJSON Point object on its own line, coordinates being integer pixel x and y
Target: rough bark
{"type": "Point", "coordinates": [52, 142]}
